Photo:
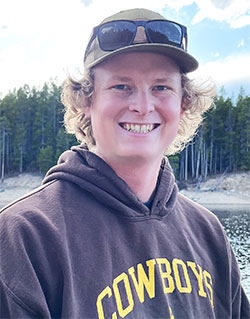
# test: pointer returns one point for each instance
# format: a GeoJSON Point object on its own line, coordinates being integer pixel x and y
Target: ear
{"type": "Point", "coordinates": [185, 104]}
{"type": "Point", "coordinates": [87, 111]}
{"type": "Point", "coordinates": [183, 107]}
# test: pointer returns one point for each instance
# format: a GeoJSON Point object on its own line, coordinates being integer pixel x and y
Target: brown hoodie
{"type": "Point", "coordinates": [84, 246]}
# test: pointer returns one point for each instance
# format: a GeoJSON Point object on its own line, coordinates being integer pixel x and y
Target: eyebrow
{"type": "Point", "coordinates": [160, 80]}
{"type": "Point", "coordinates": [120, 78]}
{"type": "Point", "coordinates": [127, 79]}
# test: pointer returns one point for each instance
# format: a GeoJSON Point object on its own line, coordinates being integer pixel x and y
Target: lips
{"type": "Point", "coordinates": [139, 128]}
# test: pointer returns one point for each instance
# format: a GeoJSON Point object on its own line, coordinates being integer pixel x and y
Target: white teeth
{"type": "Point", "coordinates": [144, 128]}
{"type": "Point", "coordinates": [137, 128]}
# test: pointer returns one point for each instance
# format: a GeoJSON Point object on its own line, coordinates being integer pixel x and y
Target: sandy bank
{"type": "Point", "coordinates": [14, 187]}
{"type": "Point", "coordinates": [219, 200]}
{"type": "Point", "coordinates": [231, 191]}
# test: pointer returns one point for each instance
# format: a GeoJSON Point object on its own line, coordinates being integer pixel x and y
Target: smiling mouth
{"type": "Point", "coordinates": [138, 128]}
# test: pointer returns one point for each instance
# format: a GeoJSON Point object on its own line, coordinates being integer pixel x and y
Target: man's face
{"type": "Point", "coordinates": [136, 107]}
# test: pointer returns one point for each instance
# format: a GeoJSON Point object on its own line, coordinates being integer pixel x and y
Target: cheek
{"type": "Point", "coordinates": [172, 111]}
{"type": "Point", "coordinates": [106, 107]}
{"type": "Point", "coordinates": [103, 115]}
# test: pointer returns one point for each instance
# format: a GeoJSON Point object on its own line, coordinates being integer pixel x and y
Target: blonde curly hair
{"type": "Point", "coordinates": [77, 94]}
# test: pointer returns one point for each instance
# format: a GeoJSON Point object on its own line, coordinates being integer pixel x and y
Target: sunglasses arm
{"type": "Point", "coordinates": [95, 30]}
{"type": "Point", "coordinates": [185, 36]}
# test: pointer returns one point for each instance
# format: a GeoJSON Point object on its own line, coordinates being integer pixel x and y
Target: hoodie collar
{"type": "Point", "coordinates": [94, 175]}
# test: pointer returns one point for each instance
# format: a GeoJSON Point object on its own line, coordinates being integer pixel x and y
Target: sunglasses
{"type": "Point", "coordinates": [120, 33]}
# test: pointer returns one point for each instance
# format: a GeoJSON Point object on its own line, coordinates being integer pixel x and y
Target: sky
{"type": "Point", "coordinates": [43, 40]}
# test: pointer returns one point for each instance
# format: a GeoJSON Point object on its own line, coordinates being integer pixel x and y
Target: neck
{"type": "Point", "coordinates": [140, 176]}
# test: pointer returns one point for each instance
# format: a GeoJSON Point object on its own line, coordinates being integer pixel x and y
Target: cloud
{"type": "Point", "coordinates": [177, 5]}
{"type": "Point", "coordinates": [230, 72]}
{"type": "Point", "coordinates": [221, 4]}
{"type": "Point", "coordinates": [234, 12]}
{"type": "Point", "coordinates": [87, 2]}
{"type": "Point", "coordinates": [43, 38]}
{"type": "Point", "coordinates": [241, 43]}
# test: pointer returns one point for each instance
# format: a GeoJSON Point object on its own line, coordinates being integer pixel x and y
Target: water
{"type": "Point", "coordinates": [237, 226]}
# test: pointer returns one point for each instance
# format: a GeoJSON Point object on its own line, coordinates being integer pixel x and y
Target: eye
{"type": "Point", "coordinates": [161, 88]}
{"type": "Point", "coordinates": [121, 87]}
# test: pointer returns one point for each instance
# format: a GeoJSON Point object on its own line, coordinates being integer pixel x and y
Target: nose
{"type": "Point", "coordinates": [142, 103]}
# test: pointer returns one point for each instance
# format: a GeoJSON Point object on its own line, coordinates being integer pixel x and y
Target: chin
{"type": "Point", "coordinates": [140, 153]}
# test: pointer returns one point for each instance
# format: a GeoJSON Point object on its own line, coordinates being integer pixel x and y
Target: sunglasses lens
{"type": "Point", "coordinates": [164, 32]}
{"type": "Point", "coordinates": [115, 35]}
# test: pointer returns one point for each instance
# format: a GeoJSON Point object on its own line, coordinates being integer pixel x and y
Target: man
{"type": "Point", "coordinates": [108, 235]}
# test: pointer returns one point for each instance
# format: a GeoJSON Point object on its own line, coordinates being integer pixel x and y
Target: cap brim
{"type": "Point", "coordinates": [186, 61]}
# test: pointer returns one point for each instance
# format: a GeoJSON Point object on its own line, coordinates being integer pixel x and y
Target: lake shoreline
{"type": "Point", "coordinates": [219, 200]}
{"type": "Point", "coordinates": [233, 192]}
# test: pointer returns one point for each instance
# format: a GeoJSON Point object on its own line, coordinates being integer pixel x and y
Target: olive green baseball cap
{"type": "Point", "coordinates": [95, 55]}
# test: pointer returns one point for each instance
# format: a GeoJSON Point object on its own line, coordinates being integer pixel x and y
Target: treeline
{"type": "Point", "coordinates": [222, 143]}
{"type": "Point", "coordinates": [31, 129]}
{"type": "Point", "coordinates": [32, 135]}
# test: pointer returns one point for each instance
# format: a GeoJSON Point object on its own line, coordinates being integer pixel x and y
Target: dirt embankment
{"type": "Point", "coordinates": [230, 189]}
{"type": "Point", "coordinates": [17, 186]}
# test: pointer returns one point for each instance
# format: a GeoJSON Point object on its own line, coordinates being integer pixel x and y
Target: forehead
{"type": "Point", "coordinates": [136, 63]}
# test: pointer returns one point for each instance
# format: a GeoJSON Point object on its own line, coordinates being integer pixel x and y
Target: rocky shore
{"type": "Point", "coordinates": [230, 190]}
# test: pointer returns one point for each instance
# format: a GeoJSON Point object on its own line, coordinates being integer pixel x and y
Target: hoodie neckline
{"type": "Point", "coordinates": [91, 173]}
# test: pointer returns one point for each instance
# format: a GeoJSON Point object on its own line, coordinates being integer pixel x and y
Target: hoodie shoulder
{"type": "Point", "coordinates": [199, 214]}
{"type": "Point", "coordinates": [37, 201]}
{"type": "Point", "coordinates": [189, 203]}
